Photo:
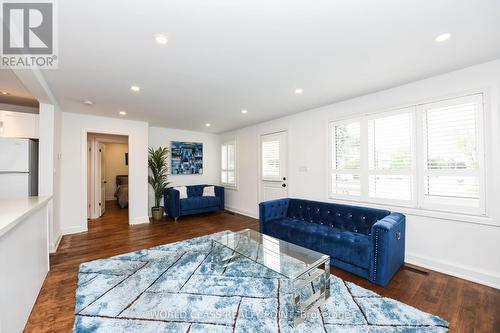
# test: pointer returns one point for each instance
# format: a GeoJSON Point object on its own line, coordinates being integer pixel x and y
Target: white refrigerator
{"type": "Point", "coordinates": [18, 167]}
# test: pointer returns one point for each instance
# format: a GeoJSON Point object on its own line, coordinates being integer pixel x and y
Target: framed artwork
{"type": "Point", "coordinates": [186, 158]}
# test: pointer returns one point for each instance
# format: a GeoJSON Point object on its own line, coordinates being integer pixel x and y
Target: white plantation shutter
{"type": "Point", "coordinates": [428, 156]}
{"type": "Point", "coordinates": [228, 163]}
{"type": "Point", "coordinates": [271, 160]}
{"type": "Point", "coordinates": [231, 164]}
{"type": "Point", "coordinates": [452, 144]}
{"type": "Point", "coordinates": [346, 157]}
{"type": "Point", "coordinates": [390, 156]}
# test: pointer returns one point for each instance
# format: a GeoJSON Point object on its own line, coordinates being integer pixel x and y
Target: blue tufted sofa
{"type": "Point", "coordinates": [365, 241]}
{"type": "Point", "coordinates": [195, 203]}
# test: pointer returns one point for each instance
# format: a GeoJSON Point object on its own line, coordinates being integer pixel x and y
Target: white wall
{"type": "Point", "coordinates": [115, 165]}
{"type": "Point", "coordinates": [161, 137]}
{"type": "Point", "coordinates": [453, 244]}
{"type": "Point", "coordinates": [73, 188]}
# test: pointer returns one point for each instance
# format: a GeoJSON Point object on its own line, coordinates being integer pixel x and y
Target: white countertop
{"type": "Point", "coordinates": [13, 211]}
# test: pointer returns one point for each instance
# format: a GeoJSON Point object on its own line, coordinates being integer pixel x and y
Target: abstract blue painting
{"type": "Point", "coordinates": [187, 158]}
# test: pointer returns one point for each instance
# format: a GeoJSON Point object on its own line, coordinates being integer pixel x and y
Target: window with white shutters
{"type": "Point", "coordinates": [271, 160]}
{"type": "Point", "coordinates": [346, 157]}
{"type": "Point", "coordinates": [426, 156]}
{"type": "Point", "coordinates": [452, 173]}
{"type": "Point", "coordinates": [390, 157]}
{"type": "Point", "coordinates": [228, 164]}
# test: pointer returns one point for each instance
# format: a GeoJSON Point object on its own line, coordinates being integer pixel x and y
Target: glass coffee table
{"type": "Point", "coordinates": [299, 265]}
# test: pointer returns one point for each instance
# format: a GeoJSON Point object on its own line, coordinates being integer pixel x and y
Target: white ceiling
{"type": "Point", "coordinates": [12, 85]}
{"type": "Point", "coordinates": [224, 56]}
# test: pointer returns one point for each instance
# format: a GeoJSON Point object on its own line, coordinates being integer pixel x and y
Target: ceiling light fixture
{"type": "Point", "coordinates": [135, 88]}
{"type": "Point", "coordinates": [244, 111]}
{"type": "Point", "coordinates": [443, 37]}
{"type": "Point", "coordinates": [4, 93]}
{"type": "Point", "coordinates": [208, 125]}
{"type": "Point", "coordinates": [122, 113]}
{"type": "Point", "coordinates": [161, 39]}
{"type": "Point", "coordinates": [299, 91]}
{"type": "Point", "coordinates": [88, 102]}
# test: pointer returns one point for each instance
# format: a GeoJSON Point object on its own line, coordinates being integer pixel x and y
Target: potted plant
{"type": "Point", "coordinates": [157, 162]}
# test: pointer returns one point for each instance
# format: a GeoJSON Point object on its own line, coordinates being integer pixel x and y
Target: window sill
{"type": "Point", "coordinates": [230, 187]}
{"type": "Point", "coordinates": [450, 216]}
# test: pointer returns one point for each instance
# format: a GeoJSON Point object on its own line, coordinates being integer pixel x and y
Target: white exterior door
{"type": "Point", "coordinates": [273, 166]}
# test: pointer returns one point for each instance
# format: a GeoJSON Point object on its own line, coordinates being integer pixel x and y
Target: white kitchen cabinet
{"type": "Point", "coordinates": [18, 125]}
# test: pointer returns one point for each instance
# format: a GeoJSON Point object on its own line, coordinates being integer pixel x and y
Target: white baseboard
{"type": "Point", "coordinates": [110, 198]}
{"type": "Point", "coordinates": [487, 278]}
{"type": "Point", "coordinates": [73, 230]}
{"type": "Point", "coordinates": [242, 212]}
{"type": "Point", "coordinates": [53, 246]}
{"type": "Point", "coordinates": [138, 220]}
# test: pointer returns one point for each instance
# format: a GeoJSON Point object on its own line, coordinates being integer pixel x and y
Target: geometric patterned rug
{"type": "Point", "coordinates": [183, 287]}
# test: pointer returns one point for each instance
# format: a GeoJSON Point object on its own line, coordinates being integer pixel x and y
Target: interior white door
{"type": "Point", "coordinates": [102, 177]}
{"type": "Point", "coordinates": [90, 187]}
{"type": "Point", "coordinates": [273, 166]}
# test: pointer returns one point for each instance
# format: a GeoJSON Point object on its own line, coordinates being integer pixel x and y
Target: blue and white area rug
{"type": "Point", "coordinates": [183, 287]}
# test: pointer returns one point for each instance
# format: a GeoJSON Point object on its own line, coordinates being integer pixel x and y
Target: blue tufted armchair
{"type": "Point", "coordinates": [365, 241]}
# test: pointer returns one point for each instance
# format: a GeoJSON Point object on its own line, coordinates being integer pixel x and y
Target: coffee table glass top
{"type": "Point", "coordinates": [289, 260]}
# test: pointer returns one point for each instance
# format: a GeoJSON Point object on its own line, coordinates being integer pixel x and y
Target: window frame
{"type": "Point", "coordinates": [411, 172]}
{"type": "Point", "coordinates": [331, 154]}
{"type": "Point", "coordinates": [418, 160]}
{"type": "Point", "coordinates": [226, 143]}
{"type": "Point", "coordinates": [444, 204]}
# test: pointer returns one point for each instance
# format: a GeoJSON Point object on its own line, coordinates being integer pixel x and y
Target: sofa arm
{"type": "Point", "coordinates": [172, 202]}
{"type": "Point", "coordinates": [272, 210]}
{"type": "Point", "coordinates": [388, 238]}
{"type": "Point", "coordinates": [219, 192]}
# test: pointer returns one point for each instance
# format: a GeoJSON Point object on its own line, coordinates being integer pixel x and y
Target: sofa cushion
{"type": "Point", "coordinates": [343, 217]}
{"type": "Point", "coordinates": [182, 191]}
{"type": "Point", "coordinates": [199, 202]}
{"type": "Point", "coordinates": [195, 190]}
{"type": "Point", "coordinates": [351, 247]}
{"type": "Point", "coordinates": [209, 191]}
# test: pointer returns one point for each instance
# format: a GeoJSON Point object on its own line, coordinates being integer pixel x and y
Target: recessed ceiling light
{"type": "Point", "coordinates": [443, 37]}
{"type": "Point", "coordinates": [88, 102]}
{"type": "Point", "coordinates": [208, 125]}
{"type": "Point", "coordinates": [161, 39]}
{"type": "Point", "coordinates": [135, 88]}
{"type": "Point", "coordinates": [244, 111]}
{"type": "Point", "coordinates": [122, 113]}
{"type": "Point", "coordinates": [4, 93]}
{"type": "Point", "coordinates": [299, 91]}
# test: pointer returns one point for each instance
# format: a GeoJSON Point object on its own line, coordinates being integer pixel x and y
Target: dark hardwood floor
{"type": "Point", "coordinates": [469, 307]}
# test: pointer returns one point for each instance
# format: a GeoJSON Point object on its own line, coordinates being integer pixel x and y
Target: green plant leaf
{"type": "Point", "coordinates": [158, 179]}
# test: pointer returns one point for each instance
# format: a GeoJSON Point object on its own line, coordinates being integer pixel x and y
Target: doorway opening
{"type": "Point", "coordinates": [107, 178]}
